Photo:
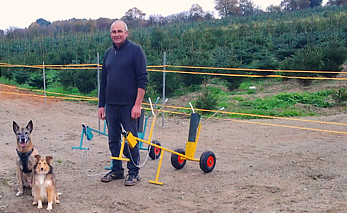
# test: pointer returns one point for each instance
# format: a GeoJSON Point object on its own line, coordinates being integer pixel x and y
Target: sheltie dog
{"type": "Point", "coordinates": [44, 183]}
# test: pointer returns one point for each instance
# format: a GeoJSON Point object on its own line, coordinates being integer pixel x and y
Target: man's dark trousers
{"type": "Point", "coordinates": [115, 116]}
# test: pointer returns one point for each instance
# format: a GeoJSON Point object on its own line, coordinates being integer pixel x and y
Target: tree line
{"type": "Point", "coordinates": [136, 18]}
{"type": "Point", "coordinates": [306, 39]}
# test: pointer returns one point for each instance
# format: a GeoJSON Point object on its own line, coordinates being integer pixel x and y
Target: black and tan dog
{"type": "Point", "coordinates": [25, 156]}
{"type": "Point", "coordinates": [44, 183]}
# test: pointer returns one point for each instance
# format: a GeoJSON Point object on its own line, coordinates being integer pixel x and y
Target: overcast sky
{"type": "Point", "coordinates": [21, 13]}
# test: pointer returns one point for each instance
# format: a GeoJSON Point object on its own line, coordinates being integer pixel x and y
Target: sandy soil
{"type": "Point", "coordinates": [259, 168]}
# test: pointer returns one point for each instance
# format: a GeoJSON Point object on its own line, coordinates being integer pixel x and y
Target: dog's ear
{"type": "Point", "coordinates": [15, 127]}
{"type": "Point", "coordinates": [37, 158]}
{"type": "Point", "coordinates": [30, 126]}
{"type": "Point", "coordinates": [49, 159]}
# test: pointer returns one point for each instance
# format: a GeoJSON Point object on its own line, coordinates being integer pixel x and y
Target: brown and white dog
{"type": "Point", "coordinates": [44, 186]}
{"type": "Point", "coordinates": [25, 156]}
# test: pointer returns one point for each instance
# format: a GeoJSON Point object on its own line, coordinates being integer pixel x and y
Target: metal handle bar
{"type": "Point", "coordinates": [213, 115]}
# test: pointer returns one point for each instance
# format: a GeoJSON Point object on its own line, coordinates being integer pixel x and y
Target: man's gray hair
{"type": "Point", "coordinates": [119, 21]}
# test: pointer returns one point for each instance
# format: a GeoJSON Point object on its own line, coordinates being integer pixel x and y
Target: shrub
{"type": "Point", "coordinates": [334, 56]}
{"type": "Point", "coordinates": [36, 80]}
{"type": "Point", "coordinates": [66, 78]}
{"type": "Point", "coordinates": [304, 59]}
{"type": "Point", "coordinates": [339, 96]}
{"type": "Point", "coordinates": [6, 72]}
{"type": "Point", "coordinates": [206, 100]}
{"type": "Point", "coordinates": [21, 76]}
{"type": "Point", "coordinates": [172, 83]}
{"type": "Point", "coordinates": [85, 81]}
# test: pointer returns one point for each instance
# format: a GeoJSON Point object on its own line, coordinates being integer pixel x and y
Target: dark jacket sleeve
{"type": "Point", "coordinates": [141, 69]}
{"type": "Point", "coordinates": [103, 84]}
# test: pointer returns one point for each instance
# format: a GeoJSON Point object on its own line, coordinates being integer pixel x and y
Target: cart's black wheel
{"type": "Point", "coordinates": [154, 152]}
{"type": "Point", "coordinates": [177, 161]}
{"type": "Point", "coordinates": [207, 161]}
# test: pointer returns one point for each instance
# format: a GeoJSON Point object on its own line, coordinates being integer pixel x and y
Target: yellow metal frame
{"type": "Point", "coordinates": [130, 137]}
{"type": "Point", "coordinates": [189, 153]}
{"type": "Point", "coordinates": [132, 141]}
{"type": "Point", "coordinates": [120, 157]}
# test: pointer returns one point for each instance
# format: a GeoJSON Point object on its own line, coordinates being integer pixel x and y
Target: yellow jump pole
{"type": "Point", "coordinates": [169, 150]}
{"type": "Point", "coordinates": [158, 170]}
{"type": "Point", "coordinates": [154, 119]}
{"type": "Point", "coordinates": [152, 126]}
{"type": "Point", "coordinates": [120, 157]}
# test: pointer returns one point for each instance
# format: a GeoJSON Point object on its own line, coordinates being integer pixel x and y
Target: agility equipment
{"type": "Point", "coordinates": [207, 159]}
{"type": "Point", "coordinates": [131, 140]}
{"type": "Point", "coordinates": [179, 157]}
{"type": "Point", "coordinates": [154, 152]}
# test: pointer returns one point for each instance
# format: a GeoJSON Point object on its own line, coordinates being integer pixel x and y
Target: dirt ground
{"type": "Point", "coordinates": [259, 167]}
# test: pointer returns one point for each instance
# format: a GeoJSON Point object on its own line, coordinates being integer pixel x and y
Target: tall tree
{"type": "Point", "coordinates": [42, 22]}
{"type": "Point", "coordinates": [273, 9]}
{"type": "Point", "coordinates": [134, 14]}
{"type": "Point", "coordinates": [179, 17]}
{"type": "Point", "coordinates": [157, 20]}
{"type": "Point", "coordinates": [196, 12]}
{"type": "Point", "coordinates": [209, 15]}
{"type": "Point", "coordinates": [103, 23]}
{"type": "Point", "coordinates": [227, 8]}
{"type": "Point", "coordinates": [289, 5]}
{"type": "Point", "coordinates": [247, 7]}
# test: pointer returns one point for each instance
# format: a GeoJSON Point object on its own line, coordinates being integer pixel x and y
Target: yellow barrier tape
{"type": "Point", "coordinates": [253, 122]}
{"type": "Point", "coordinates": [257, 70]}
{"type": "Point", "coordinates": [83, 66]}
{"type": "Point", "coordinates": [68, 95]}
{"type": "Point", "coordinates": [260, 123]}
{"type": "Point", "coordinates": [253, 115]}
{"type": "Point", "coordinates": [55, 93]}
{"type": "Point", "coordinates": [25, 66]}
{"type": "Point", "coordinates": [86, 98]}
{"type": "Point", "coordinates": [242, 75]}
{"type": "Point", "coordinates": [156, 66]}
{"type": "Point", "coordinates": [68, 66]}
{"type": "Point", "coordinates": [287, 126]}
{"type": "Point", "coordinates": [73, 68]}
{"type": "Point", "coordinates": [42, 96]}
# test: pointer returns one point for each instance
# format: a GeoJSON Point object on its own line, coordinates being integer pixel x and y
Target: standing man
{"type": "Point", "coordinates": [123, 85]}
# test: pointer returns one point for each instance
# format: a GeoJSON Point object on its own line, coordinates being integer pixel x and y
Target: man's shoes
{"type": "Point", "coordinates": [112, 175]}
{"type": "Point", "coordinates": [132, 179]}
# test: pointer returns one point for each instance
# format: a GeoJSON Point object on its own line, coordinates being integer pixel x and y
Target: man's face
{"type": "Point", "coordinates": [118, 33]}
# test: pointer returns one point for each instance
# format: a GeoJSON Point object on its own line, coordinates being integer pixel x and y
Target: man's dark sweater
{"type": "Point", "coordinates": [124, 70]}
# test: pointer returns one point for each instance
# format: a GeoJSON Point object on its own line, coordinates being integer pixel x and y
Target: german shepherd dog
{"type": "Point", "coordinates": [44, 187]}
{"type": "Point", "coordinates": [25, 156]}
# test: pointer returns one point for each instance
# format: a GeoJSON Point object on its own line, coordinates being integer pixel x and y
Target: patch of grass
{"type": "Point", "coordinates": [251, 91]}
{"type": "Point", "coordinates": [319, 99]}
{"type": "Point", "coordinates": [186, 90]}
{"type": "Point", "coordinates": [285, 100]}
{"type": "Point", "coordinates": [258, 83]}
{"type": "Point", "coordinates": [238, 98]}
{"type": "Point", "coordinates": [283, 104]}
{"type": "Point", "coordinates": [4, 80]}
